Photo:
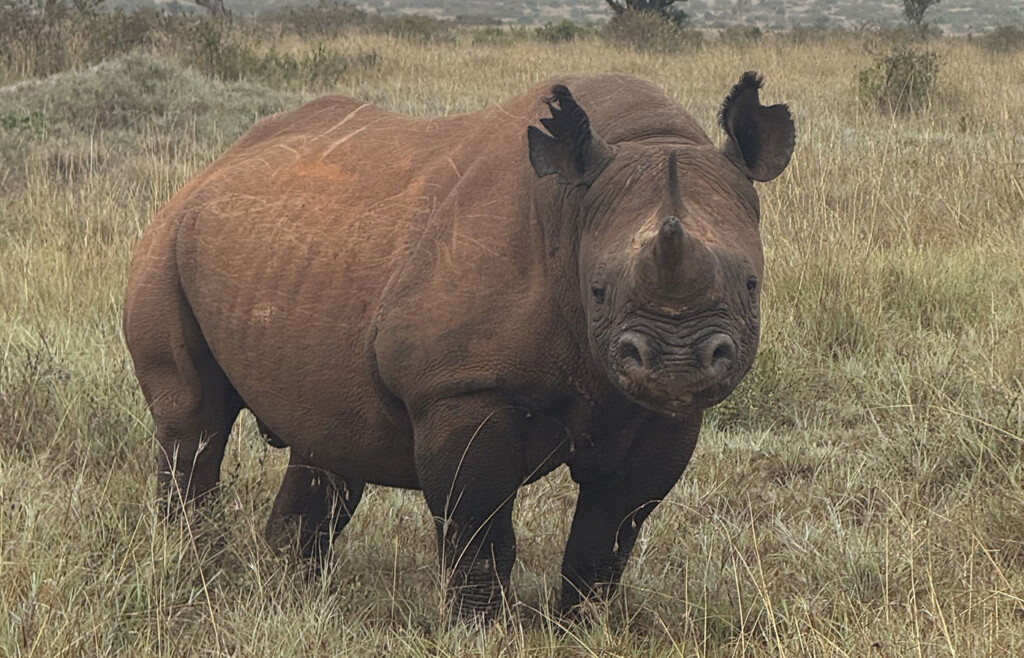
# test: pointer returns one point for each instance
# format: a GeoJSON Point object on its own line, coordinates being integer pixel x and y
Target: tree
{"type": "Point", "coordinates": [215, 7]}
{"type": "Point", "coordinates": [662, 8]}
{"type": "Point", "coordinates": [914, 10]}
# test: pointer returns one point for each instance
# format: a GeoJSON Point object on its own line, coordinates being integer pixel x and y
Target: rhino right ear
{"type": "Point", "coordinates": [572, 150]}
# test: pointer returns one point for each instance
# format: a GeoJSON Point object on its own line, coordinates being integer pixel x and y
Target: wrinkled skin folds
{"type": "Point", "coordinates": [461, 305]}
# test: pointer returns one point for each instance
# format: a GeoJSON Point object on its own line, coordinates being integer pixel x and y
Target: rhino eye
{"type": "Point", "coordinates": [752, 284]}
{"type": "Point", "coordinates": [598, 292]}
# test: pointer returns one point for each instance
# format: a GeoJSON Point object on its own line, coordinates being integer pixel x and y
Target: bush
{"type": "Point", "coordinates": [330, 18]}
{"type": "Point", "coordinates": [564, 31]}
{"type": "Point", "coordinates": [41, 38]}
{"type": "Point", "coordinates": [901, 81]}
{"type": "Point", "coordinates": [740, 35]}
{"type": "Point", "coordinates": [323, 19]}
{"type": "Point", "coordinates": [650, 32]}
{"type": "Point", "coordinates": [413, 26]}
{"type": "Point", "coordinates": [1002, 40]}
{"type": "Point", "coordinates": [801, 34]}
{"type": "Point", "coordinates": [497, 35]}
{"type": "Point", "coordinates": [216, 54]}
{"type": "Point", "coordinates": [21, 121]}
{"type": "Point", "coordinates": [477, 20]}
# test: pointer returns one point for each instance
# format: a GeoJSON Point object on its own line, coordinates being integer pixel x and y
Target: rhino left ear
{"type": "Point", "coordinates": [572, 150]}
{"type": "Point", "coordinates": [761, 138]}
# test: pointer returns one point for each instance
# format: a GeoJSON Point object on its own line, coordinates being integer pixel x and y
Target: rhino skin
{"type": "Point", "coordinates": [460, 305]}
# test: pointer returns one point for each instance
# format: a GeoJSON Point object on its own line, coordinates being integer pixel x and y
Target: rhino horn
{"type": "Point", "coordinates": [674, 258]}
{"type": "Point", "coordinates": [675, 197]}
{"type": "Point", "coordinates": [670, 244]}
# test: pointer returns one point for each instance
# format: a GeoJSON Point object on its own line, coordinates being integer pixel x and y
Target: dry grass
{"type": "Point", "coordinates": [862, 494]}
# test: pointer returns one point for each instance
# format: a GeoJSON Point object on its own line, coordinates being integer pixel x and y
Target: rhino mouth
{"type": "Point", "coordinates": [678, 381]}
{"type": "Point", "coordinates": [672, 399]}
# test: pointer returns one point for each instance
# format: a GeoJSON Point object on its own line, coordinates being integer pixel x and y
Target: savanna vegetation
{"type": "Point", "coordinates": [862, 493]}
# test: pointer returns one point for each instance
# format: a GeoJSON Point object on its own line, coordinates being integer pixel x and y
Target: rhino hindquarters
{"type": "Point", "coordinates": [192, 402]}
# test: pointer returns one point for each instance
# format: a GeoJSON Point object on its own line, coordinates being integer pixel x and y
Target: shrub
{"type": "Point", "coordinates": [491, 35]}
{"type": "Point", "coordinates": [650, 32]}
{"type": "Point", "coordinates": [413, 26]}
{"type": "Point", "coordinates": [41, 38]}
{"type": "Point", "coordinates": [330, 18]}
{"type": "Point", "coordinates": [477, 20]}
{"type": "Point", "coordinates": [497, 35]}
{"type": "Point", "coordinates": [16, 121]}
{"type": "Point", "coordinates": [740, 35]}
{"type": "Point", "coordinates": [901, 81]}
{"type": "Point", "coordinates": [1002, 40]}
{"type": "Point", "coordinates": [902, 34]}
{"type": "Point", "coordinates": [801, 34]}
{"type": "Point", "coordinates": [123, 32]}
{"type": "Point", "coordinates": [564, 31]}
{"type": "Point", "coordinates": [218, 55]}
{"type": "Point", "coordinates": [326, 18]}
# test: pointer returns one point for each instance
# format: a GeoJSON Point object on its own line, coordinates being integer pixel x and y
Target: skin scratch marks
{"type": "Point", "coordinates": [346, 138]}
{"type": "Point", "coordinates": [501, 108]}
{"type": "Point", "coordinates": [345, 120]}
{"type": "Point", "coordinates": [286, 148]}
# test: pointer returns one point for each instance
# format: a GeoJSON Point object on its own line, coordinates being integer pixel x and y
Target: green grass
{"type": "Point", "coordinates": [862, 493]}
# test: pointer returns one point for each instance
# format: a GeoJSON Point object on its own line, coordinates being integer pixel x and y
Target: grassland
{"type": "Point", "coordinates": [861, 494]}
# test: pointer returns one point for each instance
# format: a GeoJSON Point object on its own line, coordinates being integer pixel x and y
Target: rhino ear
{"type": "Point", "coordinates": [572, 150]}
{"type": "Point", "coordinates": [760, 138]}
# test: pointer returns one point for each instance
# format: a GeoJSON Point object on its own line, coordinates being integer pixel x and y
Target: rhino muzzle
{"type": "Point", "coordinates": [672, 379]}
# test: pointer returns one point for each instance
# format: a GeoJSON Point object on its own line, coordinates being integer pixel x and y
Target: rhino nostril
{"type": "Point", "coordinates": [723, 352]}
{"type": "Point", "coordinates": [632, 351]}
{"type": "Point", "coordinates": [717, 352]}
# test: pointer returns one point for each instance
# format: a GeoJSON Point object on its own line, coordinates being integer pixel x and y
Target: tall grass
{"type": "Point", "coordinates": [862, 493]}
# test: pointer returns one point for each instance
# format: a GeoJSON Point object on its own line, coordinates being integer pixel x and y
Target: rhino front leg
{"type": "Point", "coordinates": [611, 509]}
{"type": "Point", "coordinates": [312, 506]}
{"type": "Point", "coordinates": [467, 460]}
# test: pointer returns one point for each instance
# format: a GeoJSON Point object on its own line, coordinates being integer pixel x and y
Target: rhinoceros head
{"type": "Point", "coordinates": [670, 259]}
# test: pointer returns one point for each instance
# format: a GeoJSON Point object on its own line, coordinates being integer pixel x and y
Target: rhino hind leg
{"type": "Point", "coordinates": [192, 447]}
{"type": "Point", "coordinates": [312, 506]}
{"type": "Point", "coordinates": [191, 400]}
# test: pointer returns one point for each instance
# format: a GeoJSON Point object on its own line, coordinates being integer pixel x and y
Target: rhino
{"type": "Point", "coordinates": [460, 305]}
